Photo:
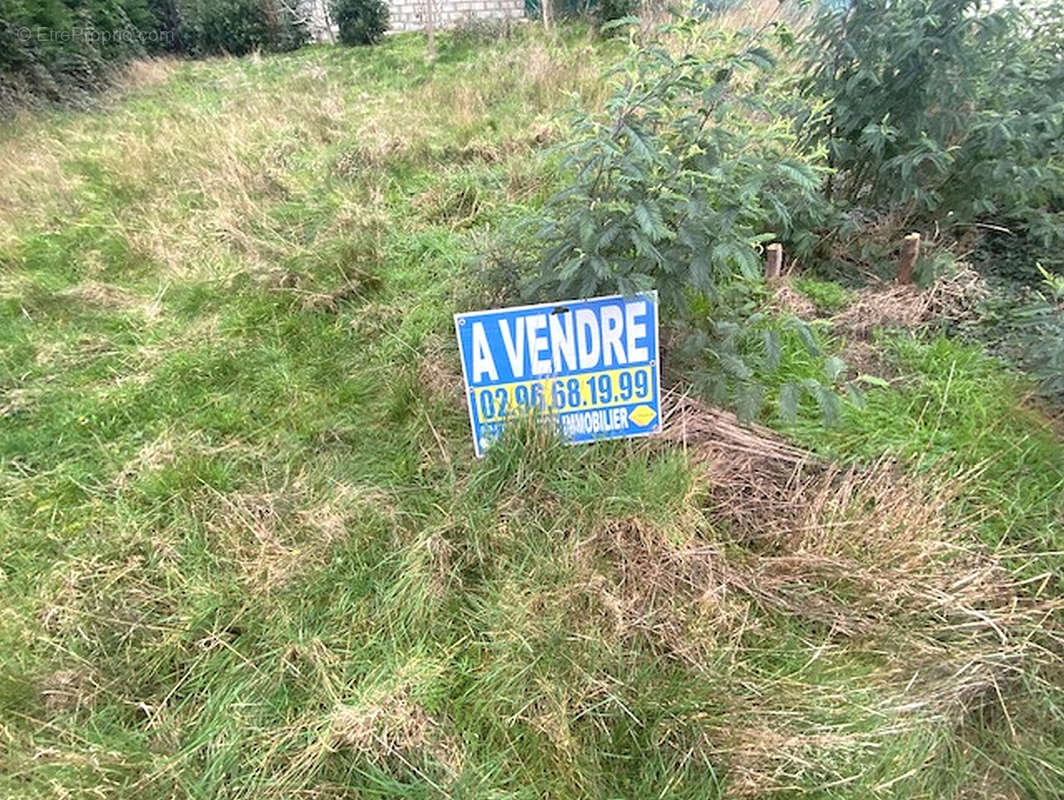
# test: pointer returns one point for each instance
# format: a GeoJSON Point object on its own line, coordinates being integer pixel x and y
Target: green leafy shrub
{"type": "Point", "coordinates": [676, 186]}
{"type": "Point", "coordinates": [610, 10]}
{"type": "Point", "coordinates": [236, 27]}
{"type": "Point", "coordinates": [946, 111]}
{"type": "Point", "coordinates": [1025, 327]}
{"type": "Point", "coordinates": [1013, 257]}
{"type": "Point", "coordinates": [165, 20]}
{"type": "Point", "coordinates": [360, 21]}
{"type": "Point", "coordinates": [471, 31]}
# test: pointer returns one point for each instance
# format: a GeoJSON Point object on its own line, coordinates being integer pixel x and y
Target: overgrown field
{"type": "Point", "coordinates": [246, 551]}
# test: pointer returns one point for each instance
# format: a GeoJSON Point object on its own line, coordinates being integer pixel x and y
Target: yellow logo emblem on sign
{"type": "Point", "coordinates": [642, 415]}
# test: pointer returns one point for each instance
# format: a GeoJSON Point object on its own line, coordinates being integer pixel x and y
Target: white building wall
{"type": "Point", "coordinates": [409, 15]}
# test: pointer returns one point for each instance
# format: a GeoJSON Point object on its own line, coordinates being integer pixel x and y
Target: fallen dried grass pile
{"type": "Point", "coordinates": [691, 423]}
{"type": "Point", "coordinates": [105, 297]}
{"type": "Point", "coordinates": [440, 372]}
{"type": "Point", "coordinates": [788, 300]}
{"type": "Point", "coordinates": [392, 725]}
{"type": "Point", "coordinates": [956, 297]}
{"type": "Point", "coordinates": [856, 559]}
{"type": "Point", "coordinates": [886, 306]}
{"type": "Point", "coordinates": [951, 298]}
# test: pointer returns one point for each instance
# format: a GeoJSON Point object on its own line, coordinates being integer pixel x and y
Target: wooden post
{"type": "Point", "coordinates": [545, 11]}
{"type": "Point", "coordinates": [773, 261]}
{"type": "Point", "coordinates": [910, 251]}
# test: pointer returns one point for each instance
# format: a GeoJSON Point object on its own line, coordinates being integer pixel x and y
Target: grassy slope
{"type": "Point", "coordinates": [244, 548]}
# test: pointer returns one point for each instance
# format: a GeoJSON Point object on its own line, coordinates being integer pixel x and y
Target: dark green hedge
{"type": "Point", "coordinates": [207, 27]}
{"type": "Point", "coordinates": [61, 51]}
{"type": "Point", "coordinates": [360, 21]}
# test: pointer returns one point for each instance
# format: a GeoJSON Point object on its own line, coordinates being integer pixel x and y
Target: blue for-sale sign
{"type": "Point", "coordinates": [590, 366]}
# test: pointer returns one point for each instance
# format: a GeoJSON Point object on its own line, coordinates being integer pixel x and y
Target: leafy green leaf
{"type": "Point", "coordinates": [873, 380]}
{"type": "Point", "coordinates": [833, 368]}
{"type": "Point", "coordinates": [748, 402]}
{"type": "Point", "coordinates": [829, 405]}
{"type": "Point", "coordinates": [789, 402]}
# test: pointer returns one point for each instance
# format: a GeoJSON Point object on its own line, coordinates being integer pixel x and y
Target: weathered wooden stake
{"type": "Point", "coordinates": [773, 261]}
{"type": "Point", "coordinates": [910, 251]}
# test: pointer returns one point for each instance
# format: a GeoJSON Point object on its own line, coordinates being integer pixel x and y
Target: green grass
{"type": "Point", "coordinates": [245, 550]}
{"type": "Point", "coordinates": [827, 296]}
{"type": "Point", "coordinates": [952, 409]}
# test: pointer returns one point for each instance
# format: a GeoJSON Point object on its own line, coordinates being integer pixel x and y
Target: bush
{"type": "Point", "coordinates": [1025, 327]}
{"type": "Point", "coordinates": [236, 27]}
{"type": "Point", "coordinates": [61, 52]}
{"type": "Point", "coordinates": [676, 187]}
{"type": "Point", "coordinates": [945, 111]}
{"type": "Point", "coordinates": [611, 10]}
{"type": "Point", "coordinates": [471, 31]}
{"type": "Point", "coordinates": [165, 20]}
{"type": "Point", "coordinates": [360, 21]}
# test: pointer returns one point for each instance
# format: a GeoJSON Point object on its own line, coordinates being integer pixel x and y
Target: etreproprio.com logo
{"type": "Point", "coordinates": [89, 35]}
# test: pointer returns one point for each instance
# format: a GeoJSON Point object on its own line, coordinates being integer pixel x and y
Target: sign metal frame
{"type": "Point", "coordinates": [551, 411]}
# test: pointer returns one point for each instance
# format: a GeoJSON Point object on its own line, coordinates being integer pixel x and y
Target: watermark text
{"type": "Point", "coordinates": [91, 35]}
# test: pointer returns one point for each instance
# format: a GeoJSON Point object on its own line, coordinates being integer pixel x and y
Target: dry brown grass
{"type": "Point", "coordinates": [351, 290]}
{"type": "Point", "coordinates": [758, 13]}
{"type": "Point", "coordinates": [154, 455]}
{"type": "Point", "coordinates": [390, 724]}
{"type": "Point", "coordinates": [863, 560]}
{"type": "Point", "coordinates": [440, 371]}
{"type": "Point", "coordinates": [375, 319]}
{"type": "Point", "coordinates": [384, 724]}
{"type": "Point", "coordinates": [690, 423]}
{"type": "Point", "coordinates": [884, 306]}
{"type": "Point", "coordinates": [955, 297]}
{"type": "Point", "coordinates": [376, 149]}
{"type": "Point", "coordinates": [785, 299]}
{"type": "Point", "coordinates": [863, 357]}
{"type": "Point", "coordinates": [145, 73]}
{"type": "Point", "coordinates": [962, 635]}
{"type": "Point", "coordinates": [120, 598]}
{"type": "Point", "coordinates": [106, 297]}
{"type": "Point", "coordinates": [275, 536]}
{"type": "Point", "coordinates": [951, 298]}
{"type": "Point", "coordinates": [70, 690]}
{"type": "Point", "coordinates": [236, 162]}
